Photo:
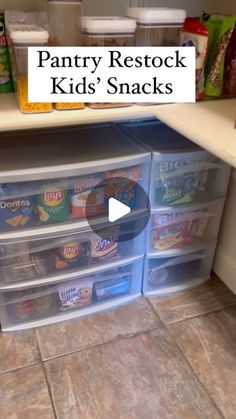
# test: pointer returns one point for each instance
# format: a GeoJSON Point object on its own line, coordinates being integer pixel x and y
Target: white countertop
{"type": "Point", "coordinates": [209, 124]}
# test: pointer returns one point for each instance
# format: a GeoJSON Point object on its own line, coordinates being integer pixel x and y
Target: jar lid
{"type": "Point", "coordinates": [28, 34]}
{"type": "Point", "coordinates": [108, 24]}
{"type": "Point", "coordinates": [150, 16]}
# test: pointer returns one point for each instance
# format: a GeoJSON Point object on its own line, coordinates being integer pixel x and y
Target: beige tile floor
{"type": "Point", "coordinates": [170, 357]}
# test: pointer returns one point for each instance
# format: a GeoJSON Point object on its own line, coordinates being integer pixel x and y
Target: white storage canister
{"type": "Point", "coordinates": [65, 22]}
{"type": "Point", "coordinates": [157, 26]}
{"type": "Point", "coordinates": [108, 31]}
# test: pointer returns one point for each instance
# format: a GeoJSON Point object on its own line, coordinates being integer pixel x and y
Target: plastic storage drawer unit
{"type": "Point", "coordinates": [87, 293]}
{"type": "Point", "coordinates": [54, 189]}
{"type": "Point", "coordinates": [172, 274]}
{"type": "Point", "coordinates": [187, 192]}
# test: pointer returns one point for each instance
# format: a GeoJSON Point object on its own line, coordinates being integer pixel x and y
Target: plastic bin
{"type": "Point", "coordinates": [59, 256]}
{"type": "Point", "coordinates": [109, 31]}
{"type": "Point", "coordinates": [157, 26]}
{"type": "Point", "coordinates": [182, 173]}
{"type": "Point", "coordinates": [23, 36]}
{"type": "Point", "coordinates": [87, 293]}
{"type": "Point", "coordinates": [172, 274]}
{"type": "Point", "coordinates": [184, 230]}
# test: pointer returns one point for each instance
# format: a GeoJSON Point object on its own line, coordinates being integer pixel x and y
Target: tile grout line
{"type": "Point", "coordinates": [45, 375]}
{"type": "Point", "coordinates": [124, 337]}
{"type": "Point", "coordinates": [198, 315]}
{"type": "Point", "coordinates": [198, 379]}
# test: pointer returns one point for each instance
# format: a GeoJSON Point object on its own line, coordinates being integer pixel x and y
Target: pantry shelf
{"type": "Point", "coordinates": [209, 123]}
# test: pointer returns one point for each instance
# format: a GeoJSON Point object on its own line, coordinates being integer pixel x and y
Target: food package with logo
{"type": "Point", "coordinates": [112, 287]}
{"type": "Point", "coordinates": [71, 255]}
{"type": "Point", "coordinates": [121, 185]}
{"type": "Point", "coordinates": [174, 230]}
{"type": "Point", "coordinates": [87, 197]}
{"type": "Point", "coordinates": [179, 181]}
{"type": "Point", "coordinates": [6, 83]}
{"type": "Point", "coordinates": [75, 294]}
{"type": "Point", "coordinates": [16, 211]}
{"type": "Point", "coordinates": [19, 264]}
{"type": "Point", "coordinates": [105, 247]}
{"type": "Point", "coordinates": [169, 231]}
{"type": "Point", "coordinates": [220, 28]}
{"type": "Point", "coordinates": [52, 204]}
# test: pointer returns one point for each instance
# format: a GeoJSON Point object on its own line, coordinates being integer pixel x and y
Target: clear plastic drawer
{"type": "Point", "coordinates": [84, 295]}
{"type": "Point", "coordinates": [175, 231]}
{"type": "Point", "coordinates": [182, 172]}
{"type": "Point", "coordinates": [167, 275]}
{"type": "Point", "coordinates": [59, 257]}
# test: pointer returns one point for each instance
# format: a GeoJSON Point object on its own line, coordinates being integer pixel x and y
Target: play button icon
{"type": "Point", "coordinates": [117, 210]}
{"type": "Point", "coordinates": [117, 207]}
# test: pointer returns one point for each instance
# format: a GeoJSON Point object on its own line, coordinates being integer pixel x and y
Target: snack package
{"type": "Point", "coordinates": [24, 265]}
{"type": "Point", "coordinates": [42, 305]}
{"type": "Point", "coordinates": [230, 67]}
{"type": "Point", "coordinates": [71, 255]}
{"type": "Point", "coordinates": [75, 294]}
{"type": "Point", "coordinates": [86, 198]}
{"type": "Point", "coordinates": [125, 190]}
{"type": "Point", "coordinates": [177, 183]}
{"type": "Point", "coordinates": [169, 231]}
{"type": "Point", "coordinates": [112, 288]}
{"type": "Point", "coordinates": [195, 34]}
{"type": "Point", "coordinates": [20, 310]}
{"type": "Point", "coordinates": [16, 213]}
{"type": "Point", "coordinates": [220, 29]}
{"type": "Point", "coordinates": [52, 205]}
{"type": "Point", "coordinates": [197, 226]}
{"type": "Point", "coordinates": [107, 247]}
{"type": "Point", "coordinates": [6, 83]}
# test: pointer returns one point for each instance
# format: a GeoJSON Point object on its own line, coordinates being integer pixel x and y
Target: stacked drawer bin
{"type": "Point", "coordinates": [53, 266]}
{"type": "Point", "coordinates": [187, 193]}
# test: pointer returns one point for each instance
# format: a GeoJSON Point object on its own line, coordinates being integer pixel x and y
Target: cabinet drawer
{"type": "Point", "coordinates": [184, 229]}
{"type": "Point", "coordinates": [167, 275]}
{"type": "Point", "coordinates": [39, 306]}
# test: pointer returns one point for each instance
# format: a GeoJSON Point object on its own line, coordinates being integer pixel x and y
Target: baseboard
{"type": "Point", "coordinates": [225, 268]}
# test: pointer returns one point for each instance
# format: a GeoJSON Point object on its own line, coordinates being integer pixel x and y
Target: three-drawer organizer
{"type": "Point", "coordinates": [53, 266]}
{"type": "Point", "coordinates": [187, 192]}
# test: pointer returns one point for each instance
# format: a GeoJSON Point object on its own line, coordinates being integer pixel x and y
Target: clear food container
{"type": "Point", "coordinates": [108, 31]}
{"type": "Point", "coordinates": [65, 19]}
{"type": "Point", "coordinates": [22, 37]}
{"type": "Point", "coordinates": [157, 26]}
{"type": "Point", "coordinates": [65, 29]}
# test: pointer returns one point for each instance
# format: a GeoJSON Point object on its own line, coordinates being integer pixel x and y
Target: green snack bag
{"type": "Point", "coordinates": [52, 205]}
{"type": "Point", "coordinates": [6, 84]}
{"type": "Point", "coordinates": [220, 29]}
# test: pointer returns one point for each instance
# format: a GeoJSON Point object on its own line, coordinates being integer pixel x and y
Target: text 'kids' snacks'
{"type": "Point", "coordinates": [195, 34]}
{"type": "Point", "coordinates": [76, 294]}
{"type": "Point", "coordinates": [71, 255]}
{"type": "Point", "coordinates": [86, 198]}
{"type": "Point", "coordinates": [52, 205]}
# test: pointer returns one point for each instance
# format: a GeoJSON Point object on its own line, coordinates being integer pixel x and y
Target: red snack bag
{"type": "Point", "coordinates": [195, 34]}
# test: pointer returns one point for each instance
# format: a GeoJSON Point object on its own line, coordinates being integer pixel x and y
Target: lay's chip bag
{"type": "Point", "coordinates": [52, 204]}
